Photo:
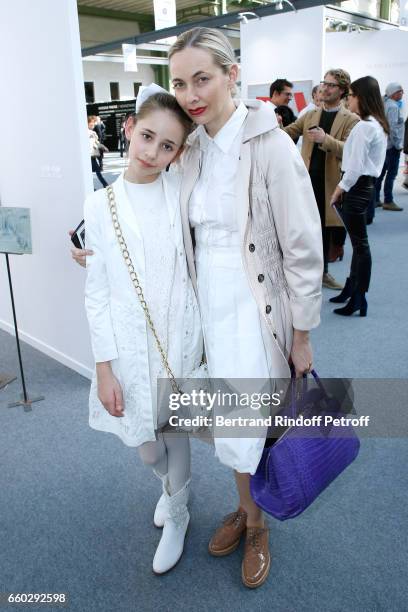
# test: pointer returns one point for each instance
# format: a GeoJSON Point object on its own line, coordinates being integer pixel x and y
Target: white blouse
{"type": "Point", "coordinates": [213, 201]}
{"type": "Point", "coordinates": [163, 288]}
{"type": "Point", "coordinates": [364, 152]}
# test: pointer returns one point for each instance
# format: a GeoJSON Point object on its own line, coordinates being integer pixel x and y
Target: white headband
{"type": "Point", "coordinates": [145, 92]}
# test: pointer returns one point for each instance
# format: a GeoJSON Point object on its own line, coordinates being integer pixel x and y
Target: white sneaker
{"type": "Point", "coordinates": [161, 512]}
{"type": "Point", "coordinates": [171, 544]}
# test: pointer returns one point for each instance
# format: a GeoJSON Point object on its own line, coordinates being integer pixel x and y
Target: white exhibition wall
{"type": "Point", "coordinates": [381, 54]}
{"type": "Point", "coordinates": [295, 46]}
{"type": "Point", "coordinates": [288, 45]}
{"type": "Point", "coordinates": [45, 165]}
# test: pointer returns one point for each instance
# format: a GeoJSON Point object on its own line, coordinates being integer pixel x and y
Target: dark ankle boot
{"type": "Point", "coordinates": [345, 294]}
{"type": "Point", "coordinates": [356, 302]}
{"type": "Point", "coordinates": [336, 252]}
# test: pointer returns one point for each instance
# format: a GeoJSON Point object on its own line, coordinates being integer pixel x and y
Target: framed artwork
{"type": "Point", "coordinates": [15, 230]}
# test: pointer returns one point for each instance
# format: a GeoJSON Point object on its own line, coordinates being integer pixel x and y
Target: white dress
{"type": "Point", "coordinates": [229, 314]}
{"type": "Point", "coordinates": [149, 216]}
{"type": "Point", "coordinates": [161, 289]}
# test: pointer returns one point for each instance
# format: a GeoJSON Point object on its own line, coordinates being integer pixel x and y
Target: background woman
{"type": "Point", "coordinates": [96, 148]}
{"type": "Point", "coordinates": [257, 266]}
{"type": "Point", "coordinates": [363, 160]}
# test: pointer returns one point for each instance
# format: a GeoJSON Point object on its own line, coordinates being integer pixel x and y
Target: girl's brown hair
{"type": "Point", "coordinates": [165, 101]}
{"type": "Point", "coordinates": [370, 102]}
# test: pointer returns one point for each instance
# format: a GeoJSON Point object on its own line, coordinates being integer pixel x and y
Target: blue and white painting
{"type": "Point", "coordinates": [15, 230]}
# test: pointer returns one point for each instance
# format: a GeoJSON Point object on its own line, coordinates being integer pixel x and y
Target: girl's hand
{"type": "Point", "coordinates": [79, 255]}
{"type": "Point", "coordinates": [109, 390]}
{"type": "Point", "coordinates": [301, 355]}
{"type": "Point", "coordinates": [337, 194]}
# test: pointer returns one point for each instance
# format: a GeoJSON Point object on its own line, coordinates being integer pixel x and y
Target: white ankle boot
{"type": "Point", "coordinates": [171, 545]}
{"type": "Point", "coordinates": [162, 511]}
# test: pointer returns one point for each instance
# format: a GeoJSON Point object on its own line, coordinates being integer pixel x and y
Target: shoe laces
{"type": "Point", "coordinates": [253, 538]}
{"type": "Point", "coordinates": [234, 518]}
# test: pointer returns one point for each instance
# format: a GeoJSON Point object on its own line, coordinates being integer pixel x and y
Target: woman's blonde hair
{"type": "Point", "coordinates": [210, 40]}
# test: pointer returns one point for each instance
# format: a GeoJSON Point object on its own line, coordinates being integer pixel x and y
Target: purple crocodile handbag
{"type": "Point", "coordinates": [304, 460]}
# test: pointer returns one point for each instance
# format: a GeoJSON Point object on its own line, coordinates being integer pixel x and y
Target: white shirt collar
{"type": "Point", "coordinates": [227, 134]}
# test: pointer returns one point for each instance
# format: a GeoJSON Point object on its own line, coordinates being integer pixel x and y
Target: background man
{"type": "Point", "coordinates": [392, 100]}
{"type": "Point", "coordinates": [324, 132]}
{"type": "Point", "coordinates": [281, 94]}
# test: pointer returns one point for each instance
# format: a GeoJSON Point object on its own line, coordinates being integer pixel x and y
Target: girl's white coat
{"type": "Point", "coordinates": [117, 321]}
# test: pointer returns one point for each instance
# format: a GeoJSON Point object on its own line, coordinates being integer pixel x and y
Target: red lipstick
{"type": "Point", "coordinates": [197, 111]}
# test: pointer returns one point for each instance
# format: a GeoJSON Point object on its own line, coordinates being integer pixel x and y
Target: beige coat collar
{"type": "Point", "coordinates": [261, 118]}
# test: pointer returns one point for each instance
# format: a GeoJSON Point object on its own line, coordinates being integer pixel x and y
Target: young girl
{"type": "Point", "coordinates": [363, 160]}
{"type": "Point", "coordinates": [128, 363]}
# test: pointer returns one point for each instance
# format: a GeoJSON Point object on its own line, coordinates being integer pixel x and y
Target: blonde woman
{"type": "Point", "coordinates": [257, 263]}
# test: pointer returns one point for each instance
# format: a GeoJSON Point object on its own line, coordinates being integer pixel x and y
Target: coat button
{"type": "Point", "coordinates": [268, 309]}
{"type": "Point", "coordinates": [252, 248]}
{"type": "Point", "coordinates": [261, 278]}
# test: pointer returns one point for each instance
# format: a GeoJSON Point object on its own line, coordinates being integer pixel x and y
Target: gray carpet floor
{"type": "Point", "coordinates": [76, 505]}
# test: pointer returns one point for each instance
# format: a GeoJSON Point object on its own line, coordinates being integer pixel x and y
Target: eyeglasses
{"type": "Point", "coordinates": [287, 94]}
{"type": "Point", "coordinates": [331, 85]}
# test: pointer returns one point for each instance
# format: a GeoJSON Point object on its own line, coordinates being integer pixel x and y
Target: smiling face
{"type": "Point", "coordinates": [282, 98]}
{"type": "Point", "coordinates": [202, 88]}
{"type": "Point", "coordinates": [156, 140]}
{"type": "Point", "coordinates": [330, 91]}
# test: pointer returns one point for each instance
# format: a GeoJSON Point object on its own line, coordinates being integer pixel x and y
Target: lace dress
{"type": "Point", "coordinates": [149, 205]}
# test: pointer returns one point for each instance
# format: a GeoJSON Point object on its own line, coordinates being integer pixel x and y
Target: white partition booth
{"type": "Point", "coordinates": [295, 46]}
{"type": "Point", "coordinates": [45, 166]}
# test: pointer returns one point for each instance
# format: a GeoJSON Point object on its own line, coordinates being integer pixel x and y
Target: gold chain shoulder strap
{"type": "Point", "coordinates": [136, 284]}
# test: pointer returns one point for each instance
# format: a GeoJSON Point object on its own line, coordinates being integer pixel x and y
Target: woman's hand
{"type": "Point", "coordinates": [301, 355]}
{"type": "Point", "coordinates": [109, 390]}
{"type": "Point", "coordinates": [79, 255]}
{"type": "Point", "coordinates": [337, 195]}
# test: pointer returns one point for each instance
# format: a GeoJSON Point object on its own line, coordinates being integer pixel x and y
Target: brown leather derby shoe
{"type": "Point", "coordinates": [227, 537]}
{"type": "Point", "coordinates": [257, 558]}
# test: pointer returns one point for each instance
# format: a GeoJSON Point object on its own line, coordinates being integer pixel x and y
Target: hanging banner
{"type": "Point", "coordinates": [165, 17]}
{"type": "Point", "coordinates": [129, 58]}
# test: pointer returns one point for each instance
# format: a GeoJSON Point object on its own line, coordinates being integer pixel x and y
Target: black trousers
{"type": "Point", "coordinates": [319, 189]}
{"type": "Point", "coordinates": [97, 169]}
{"type": "Point", "coordinates": [354, 214]}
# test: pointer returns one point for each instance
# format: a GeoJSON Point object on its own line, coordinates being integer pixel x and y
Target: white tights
{"type": "Point", "coordinates": [170, 455]}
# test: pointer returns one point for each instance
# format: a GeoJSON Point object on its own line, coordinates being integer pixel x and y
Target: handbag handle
{"type": "Point", "coordinates": [304, 387]}
{"type": "Point", "coordinates": [135, 281]}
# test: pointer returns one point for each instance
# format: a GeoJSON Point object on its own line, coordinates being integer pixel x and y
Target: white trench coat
{"type": "Point", "coordinates": [117, 322]}
{"type": "Point", "coordinates": [281, 248]}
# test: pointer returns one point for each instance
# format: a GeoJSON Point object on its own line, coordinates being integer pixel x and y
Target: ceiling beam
{"type": "Point", "coordinates": [142, 18]}
{"type": "Point", "coordinates": [211, 22]}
